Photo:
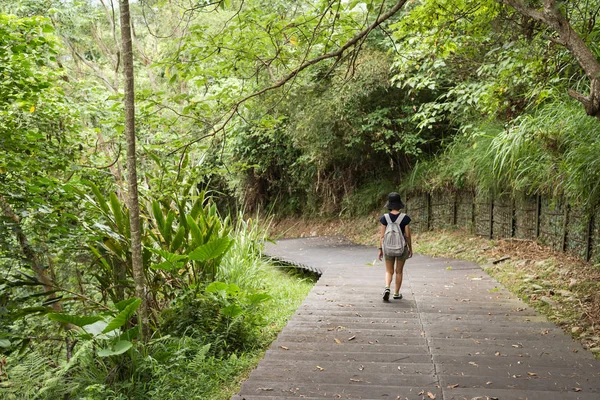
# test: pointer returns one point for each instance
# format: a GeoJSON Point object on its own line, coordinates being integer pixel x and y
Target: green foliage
{"type": "Point", "coordinates": [338, 133]}
{"type": "Point", "coordinates": [183, 236]}
{"type": "Point", "coordinates": [367, 198]}
{"type": "Point", "coordinates": [552, 151]}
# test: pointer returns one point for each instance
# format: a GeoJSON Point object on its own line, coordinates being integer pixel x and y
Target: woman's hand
{"type": "Point", "coordinates": [410, 254]}
{"type": "Point", "coordinates": [380, 257]}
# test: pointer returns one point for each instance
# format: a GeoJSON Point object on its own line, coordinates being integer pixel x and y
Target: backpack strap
{"type": "Point", "coordinates": [400, 218]}
{"type": "Point", "coordinates": [388, 219]}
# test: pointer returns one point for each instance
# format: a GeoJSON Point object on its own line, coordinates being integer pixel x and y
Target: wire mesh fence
{"type": "Point", "coordinates": [550, 221]}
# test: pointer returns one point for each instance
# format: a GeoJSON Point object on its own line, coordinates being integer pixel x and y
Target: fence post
{"type": "Point", "coordinates": [473, 226]}
{"type": "Point", "coordinates": [491, 216]}
{"type": "Point", "coordinates": [590, 229]}
{"type": "Point", "coordinates": [455, 208]}
{"type": "Point", "coordinates": [563, 245]}
{"type": "Point", "coordinates": [538, 211]}
{"type": "Point", "coordinates": [513, 227]}
{"type": "Point", "coordinates": [428, 208]}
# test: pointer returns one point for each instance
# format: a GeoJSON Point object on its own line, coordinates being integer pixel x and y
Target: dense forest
{"type": "Point", "coordinates": [142, 142]}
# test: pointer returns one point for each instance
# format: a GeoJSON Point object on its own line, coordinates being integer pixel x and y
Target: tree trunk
{"type": "Point", "coordinates": [134, 205]}
{"type": "Point", "coordinates": [29, 253]}
{"type": "Point", "coordinates": [552, 16]}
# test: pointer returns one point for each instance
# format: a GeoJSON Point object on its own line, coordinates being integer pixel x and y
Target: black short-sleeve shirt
{"type": "Point", "coordinates": [405, 221]}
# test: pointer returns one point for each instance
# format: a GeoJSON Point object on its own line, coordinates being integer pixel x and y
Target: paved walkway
{"type": "Point", "coordinates": [456, 334]}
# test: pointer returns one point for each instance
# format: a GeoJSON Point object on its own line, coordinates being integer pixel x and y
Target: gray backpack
{"type": "Point", "coordinates": [393, 238]}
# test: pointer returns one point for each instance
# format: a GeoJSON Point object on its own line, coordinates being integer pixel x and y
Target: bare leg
{"type": "Point", "coordinates": [399, 271]}
{"type": "Point", "coordinates": [389, 272]}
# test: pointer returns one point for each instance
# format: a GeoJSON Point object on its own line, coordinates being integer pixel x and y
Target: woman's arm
{"type": "Point", "coordinates": [408, 240]}
{"type": "Point", "coordinates": [381, 234]}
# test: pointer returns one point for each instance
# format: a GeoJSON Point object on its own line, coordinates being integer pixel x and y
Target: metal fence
{"type": "Point", "coordinates": [552, 222]}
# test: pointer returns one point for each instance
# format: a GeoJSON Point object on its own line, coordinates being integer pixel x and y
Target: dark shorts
{"type": "Point", "coordinates": [404, 255]}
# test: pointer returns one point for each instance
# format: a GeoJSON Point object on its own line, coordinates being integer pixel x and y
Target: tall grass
{"type": "Point", "coordinates": [554, 151]}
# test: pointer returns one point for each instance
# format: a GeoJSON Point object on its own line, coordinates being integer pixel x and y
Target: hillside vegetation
{"type": "Point", "coordinates": [139, 141]}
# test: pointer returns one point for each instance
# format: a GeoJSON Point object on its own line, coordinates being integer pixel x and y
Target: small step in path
{"type": "Point", "coordinates": [456, 334]}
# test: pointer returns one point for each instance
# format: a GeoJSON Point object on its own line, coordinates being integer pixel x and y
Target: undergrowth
{"type": "Point", "coordinates": [207, 342]}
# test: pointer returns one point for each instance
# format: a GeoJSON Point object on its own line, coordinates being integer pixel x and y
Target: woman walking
{"type": "Point", "coordinates": [394, 258]}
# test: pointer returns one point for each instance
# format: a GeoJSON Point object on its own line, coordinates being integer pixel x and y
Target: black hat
{"type": "Point", "coordinates": [394, 202]}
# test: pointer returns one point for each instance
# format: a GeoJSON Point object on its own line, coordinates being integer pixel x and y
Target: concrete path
{"type": "Point", "coordinates": [456, 334]}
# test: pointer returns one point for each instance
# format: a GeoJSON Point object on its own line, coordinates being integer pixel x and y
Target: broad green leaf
{"type": "Point", "coordinates": [115, 205]}
{"type": "Point", "coordinates": [197, 237]}
{"type": "Point", "coordinates": [233, 289]}
{"type": "Point", "coordinates": [168, 231]}
{"type": "Point", "coordinates": [232, 311]}
{"type": "Point", "coordinates": [159, 218]}
{"type": "Point", "coordinates": [182, 216]}
{"type": "Point", "coordinates": [123, 304]}
{"type": "Point", "coordinates": [178, 239]}
{"type": "Point", "coordinates": [170, 257]}
{"type": "Point", "coordinates": [105, 264]}
{"type": "Point", "coordinates": [258, 298]}
{"type": "Point", "coordinates": [4, 343]}
{"type": "Point", "coordinates": [122, 318]}
{"type": "Point", "coordinates": [216, 287]}
{"type": "Point", "coordinates": [118, 348]}
{"type": "Point", "coordinates": [168, 266]}
{"type": "Point", "coordinates": [73, 319]}
{"type": "Point", "coordinates": [99, 197]}
{"type": "Point", "coordinates": [197, 207]}
{"type": "Point", "coordinates": [211, 250]}
{"type": "Point", "coordinates": [96, 328]}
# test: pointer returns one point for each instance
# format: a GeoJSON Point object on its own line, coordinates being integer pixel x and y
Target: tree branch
{"type": "Point", "coordinates": [553, 17]}
{"type": "Point", "coordinates": [334, 54]}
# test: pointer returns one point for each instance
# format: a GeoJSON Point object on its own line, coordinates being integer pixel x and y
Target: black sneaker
{"type": "Point", "coordinates": [386, 294]}
{"type": "Point", "coordinates": [397, 296]}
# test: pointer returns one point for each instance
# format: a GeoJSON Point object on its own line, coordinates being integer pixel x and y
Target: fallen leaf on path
{"type": "Point", "coordinates": [489, 382]}
{"type": "Point", "coordinates": [497, 354]}
{"type": "Point", "coordinates": [337, 340]}
{"type": "Point", "coordinates": [431, 395]}
{"type": "Point", "coordinates": [531, 374]}
{"type": "Point", "coordinates": [266, 389]}
{"type": "Point", "coordinates": [421, 393]}
{"type": "Point", "coordinates": [361, 368]}
{"type": "Point", "coordinates": [355, 380]}
{"type": "Point", "coordinates": [453, 386]}
{"type": "Point", "coordinates": [577, 389]}
{"type": "Point", "coordinates": [351, 338]}
{"type": "Point", "coordinates": [473, 363]}
{"type": "Point", "coordinates": [285, 348]}
{"type": "Point", "coordinates": [330, 329]}
{"type": "Point", "coordinates": [320, 368]}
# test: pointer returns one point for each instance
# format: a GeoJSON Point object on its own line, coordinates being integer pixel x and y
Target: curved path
{"type": "Point", "coordinates": [456, 334]}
